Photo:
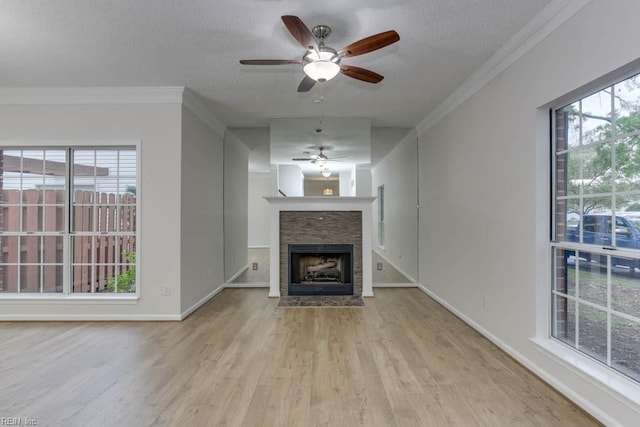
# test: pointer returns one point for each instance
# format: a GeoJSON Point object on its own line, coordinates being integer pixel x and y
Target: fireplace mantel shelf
{"type": "Point", "coordinates": [320, 203]}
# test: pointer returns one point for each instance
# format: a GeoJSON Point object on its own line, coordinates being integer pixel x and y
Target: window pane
{"type": "Point", "coordinates": [592, 332]}
{"type": "Point", "coordinates": [625, 289]}
{"type": "Point", "coordinates": [54, 218]}
{"type": "Point", "coordinates": [11, 217]}
{"type": "Point", "coordinates": [82, 249]}
{"type": "Point", "coordinates": [29, 278]}
{"type": "Point", "coordinates": [52, 247]}
{"type": "Point", "coordinates": [83, 216]}
{"type": "Point", "coordinates": [564, 315]}
{"type": "Point", "coordinates": [561, 267]}
{"type": "Point", "coordinates": [596, 169]}
{"type": "Point", "coordinates": [625, 346]}
{"type": "Point", "coordinates": [9, 278]}
{"type": "Point", "coordinates": [572, 183]}
{"type": "Point", "coordinates": [82, 277]}
{"type": "Point", "coordinates": [10, 249]}
{"type": "Point", "coordinates": [592, 279]}
{"type": "Point", "coordinates": [52, 278]}
{"type": "Point", "coordinates": [31, 218]}
{"type": "Point", "coordinates": [626, 98]}
{"type": "Point", "coordinates": [596, 116]}
{"type": "Point", "coordinates": [568, 127]}
{"type": "Point", "coordinates": [30, 249]}
{"type": "Point", "coordinates": [628, 164]}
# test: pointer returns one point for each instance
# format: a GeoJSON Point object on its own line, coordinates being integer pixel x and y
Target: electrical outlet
{"type": "Point", "coordinates": [379, 266]}
{"type": "Point", "coordinates": [254, 266]}
{"type": "Point", "coordinates": [485, 302]}
{"type": "Point", "coordinates": [166, 291]}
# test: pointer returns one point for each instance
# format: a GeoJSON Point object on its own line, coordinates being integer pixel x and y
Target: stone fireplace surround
{"type": "Point", "coordinates": [297, 220]}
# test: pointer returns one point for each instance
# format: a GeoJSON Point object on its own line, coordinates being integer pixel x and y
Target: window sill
{"type": "Point", "coordinates": [614, 384]}
{"type": "Point", "coordinates": [67, 299]}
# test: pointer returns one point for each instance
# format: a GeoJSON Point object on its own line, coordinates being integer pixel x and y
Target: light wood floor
{"type": "Point", "coordinates": [240, 361]}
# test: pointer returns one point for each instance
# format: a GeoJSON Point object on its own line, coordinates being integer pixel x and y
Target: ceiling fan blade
{"type": "Point", "coordinates": [269, 61]}
{"type": "Point", "coordinates": [299, 31]}
{"type": "Point", "coordinates": [306, 84]}
{"type": "Point", "coordinates": [361, 74]}
{"type": "Point", "coordinates": [369, 44]}
{"type": "Point", "coordinates": [301, 159]}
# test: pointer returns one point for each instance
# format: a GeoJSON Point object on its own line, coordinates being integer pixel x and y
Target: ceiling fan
{"type": "Point", "coordinates": [319, 158]}
{"type": "Point", "coordinates": [321, 62]}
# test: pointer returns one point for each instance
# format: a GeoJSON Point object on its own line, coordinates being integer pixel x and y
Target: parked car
{"type": "Point", "coordinates": [597, 230]}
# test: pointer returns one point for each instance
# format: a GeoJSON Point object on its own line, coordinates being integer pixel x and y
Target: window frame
{"type": "Point", "coordinates": [67, 295]}
{"type": "Point", "coordinates": [555, 345]}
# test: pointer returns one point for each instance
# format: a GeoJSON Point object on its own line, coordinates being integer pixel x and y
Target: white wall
{"type": "Point", "coordinates": [363, 181]}
{"type": "Point", "coordinates": [484, 190]}
{"type": "Point", "coordinates": [202, 253]}
{"type": "Point", "coordinates": [347, 178]}
{"type": "Point", "coordinates": [259, 187]}
{"type": "Point", "coordinates": [290, 180]}
{"type": "Point", "coordinates": [398, 172]}
{"type": "Point", "coordinates": [236, 216]}
{"type": "Point", "coordinates": [157, 127]}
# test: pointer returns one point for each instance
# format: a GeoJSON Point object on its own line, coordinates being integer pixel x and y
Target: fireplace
{"type": "Point", "coordinates": [320, 269]}
{"type": "Point", "coordinates": [322, 221]}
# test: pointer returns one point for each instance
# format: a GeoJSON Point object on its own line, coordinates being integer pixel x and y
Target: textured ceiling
{"type": "Point", "coordinates": [199, 43]}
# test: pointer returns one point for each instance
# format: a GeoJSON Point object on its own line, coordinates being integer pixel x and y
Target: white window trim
{"type": "Point", "coordinates": [606, 379]}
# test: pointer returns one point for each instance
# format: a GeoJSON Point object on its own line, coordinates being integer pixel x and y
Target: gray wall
{"type": "Point", "coordinates": [202, 254]}
{"type": "Point", "coordinates": [398, 172]}
{"type": "Point", "coordinates": [236, 182]}
{"type": "Point", "coordinates": [259, 187]}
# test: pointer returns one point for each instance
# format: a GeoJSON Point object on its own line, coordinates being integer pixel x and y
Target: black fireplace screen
{"type": "Point", "coordinates": [321, 269]}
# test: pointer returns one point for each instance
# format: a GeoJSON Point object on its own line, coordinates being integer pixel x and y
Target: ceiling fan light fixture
{"type": "Point", "coordinates": [326, 173]}
{"type": "Point", "coordinates": [321, 65]}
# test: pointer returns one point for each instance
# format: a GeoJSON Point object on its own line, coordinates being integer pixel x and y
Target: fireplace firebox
{"type": "Point", "coordinates": [320, 269]}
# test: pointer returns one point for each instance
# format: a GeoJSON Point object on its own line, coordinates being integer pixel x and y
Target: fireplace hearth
{"type": "Point", "coordinates": [320, 269]}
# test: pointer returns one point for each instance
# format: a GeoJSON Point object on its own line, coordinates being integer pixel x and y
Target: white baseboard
{"type": "Point", "coordinates": [578, 399]}
{"type": "Point", "coordinates": [408, 276]}
{"type": "Point", "coordinates": [247, 285]}
{"type": "Point", "coordinates": [395, 285]}
{"type": "Point", "coordinates": [260, 247]}
{"type": "Point", "coordinates": [200, 303]}
{"type": "Point", "coordinates": [89, 317]}
{"type": "Point", "coordinates": [238, 274]}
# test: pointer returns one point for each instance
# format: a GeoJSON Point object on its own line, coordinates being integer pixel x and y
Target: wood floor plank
{"type": "Point", "coordinates": [402, 360]}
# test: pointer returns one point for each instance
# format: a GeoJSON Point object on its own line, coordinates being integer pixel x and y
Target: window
{"type": "Point", "coordinates": [381, 215]}
{"type": "Point", "coordinates": [596, 266]}
{"type": "Point", "coordinates": [68, 220]}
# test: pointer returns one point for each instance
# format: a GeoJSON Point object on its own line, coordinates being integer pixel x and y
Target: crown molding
{"type": "Point", "coordinates": [90, 95]}
{"type": "Point", "coordinates": [547, 21]}
{"type": "Point", "coordinates": [190, 101]}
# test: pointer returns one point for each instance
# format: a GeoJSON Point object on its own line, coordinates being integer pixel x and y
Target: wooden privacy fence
{"type": "Point", "coordinates": [102, 228]}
